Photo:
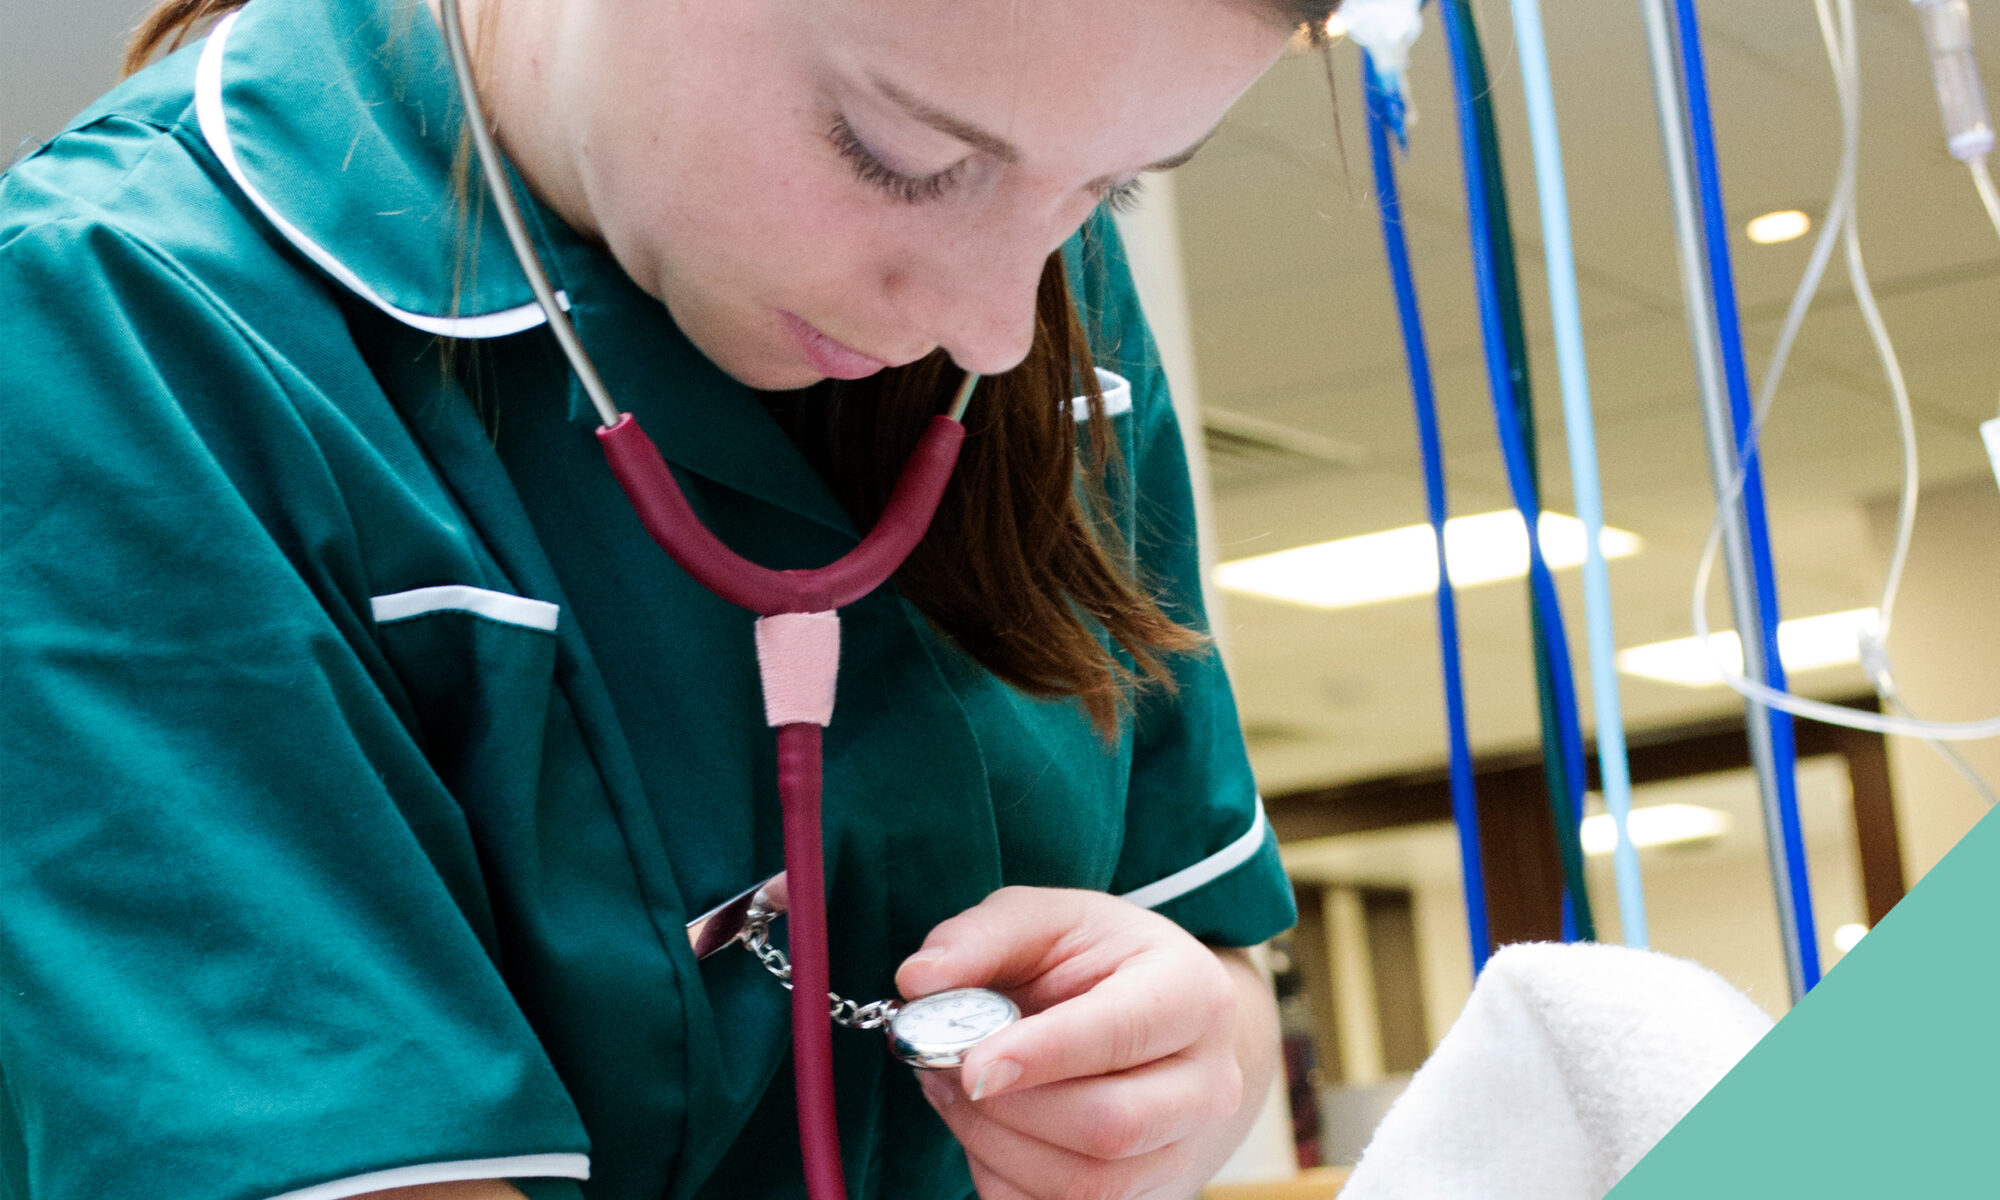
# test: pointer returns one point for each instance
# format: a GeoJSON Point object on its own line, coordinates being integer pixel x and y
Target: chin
{"type": "Point", "coordinates": [768, 377]}
{"type": "Point", "coordinates": [745, 360]}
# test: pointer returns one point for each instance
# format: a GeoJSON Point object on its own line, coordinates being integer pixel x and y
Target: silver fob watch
{"type": "Point", "coordinates": [937, 1031]}
{"type": "Point", "coordinates": [932, 1032]}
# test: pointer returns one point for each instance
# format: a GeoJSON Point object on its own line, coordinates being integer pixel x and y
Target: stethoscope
{"type": "Point", "coordinates": [798, 656]}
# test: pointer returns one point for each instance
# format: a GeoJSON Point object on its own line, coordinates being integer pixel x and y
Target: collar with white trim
{"type": "Point", "coordinates": [338, 120]}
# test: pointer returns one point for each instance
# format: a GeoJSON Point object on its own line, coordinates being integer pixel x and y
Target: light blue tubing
{"type": "Point", "coordinates": [1505, 347]}
{"type": "Point", "coordinates": [1464, 807]}
{"type": "Point", "coordinates": [1715, 231]}
{"type": "Point", "coordinates": [1566, 318]}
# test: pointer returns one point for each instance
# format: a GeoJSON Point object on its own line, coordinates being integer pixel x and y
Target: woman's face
{"type": "Point", "coordinates": [820, 188]}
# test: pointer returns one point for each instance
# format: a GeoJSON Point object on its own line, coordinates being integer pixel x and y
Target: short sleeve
{"type": "Point", "coordinates": [1197, 847]}
{"type": "Point", "coordinates": [244, 947]}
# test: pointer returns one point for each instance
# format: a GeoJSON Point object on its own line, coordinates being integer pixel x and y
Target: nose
{"type": "Point", "coordinates": [976, 294]}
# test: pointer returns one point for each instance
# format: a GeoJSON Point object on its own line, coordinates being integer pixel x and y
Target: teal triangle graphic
{"type": "Point", "coordinates": [1883, 1081]}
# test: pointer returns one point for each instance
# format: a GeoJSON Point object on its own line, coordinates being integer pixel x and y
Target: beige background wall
{"type": "Point", "coordinates": [1945, 643]}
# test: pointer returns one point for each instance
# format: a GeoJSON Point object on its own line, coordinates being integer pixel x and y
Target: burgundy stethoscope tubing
{"type": "Point", "coordinates": [672, 522]}
{"type": "Point", "coordinates": [798, 638]}
{"type": "Point", "coordinates": [667, 515]}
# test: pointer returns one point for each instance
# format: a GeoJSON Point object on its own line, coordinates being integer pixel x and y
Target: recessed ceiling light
{"type": "Point", "coordinates": [1655, 825]}
{"type": "Point", "coordinates": [1847, 937]}
{"type": "Point", "coordinates": [1780, 226]}
{"type": "Point", "coordinates": [1397, 563]}
{"type": "Point", "coordinates": [1805, 644]}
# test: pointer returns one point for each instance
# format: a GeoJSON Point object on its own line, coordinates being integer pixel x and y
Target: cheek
{"type": "Point", "coordinates": [747, 195]}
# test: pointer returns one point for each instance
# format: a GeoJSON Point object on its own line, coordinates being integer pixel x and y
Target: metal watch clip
{"type": "Point", "coordinates": [729, 921]}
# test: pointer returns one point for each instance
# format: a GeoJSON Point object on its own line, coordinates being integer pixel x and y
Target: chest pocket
{"type": "Point", "coordinates": [477, 667]}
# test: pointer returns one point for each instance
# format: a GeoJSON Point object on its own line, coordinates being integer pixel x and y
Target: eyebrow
{"type": "Point", "coordinates": [993, 144]}
{"type": "Point", "coordinates": [964, 130]}
{"type": "Point", "coordinates": [1177, 160]}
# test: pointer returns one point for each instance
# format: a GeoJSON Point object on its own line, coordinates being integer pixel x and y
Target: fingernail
{"type": "Point", "coordinates": [923, 958]}
{"type": "Point", "coordinates": [995, 1077]}
{"type": "Point", "coordinates": [923, 961]}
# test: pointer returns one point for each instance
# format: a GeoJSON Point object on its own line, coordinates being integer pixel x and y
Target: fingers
{"type": "Point", "coordinates": [1116, 1082]}
{"type": "Point", "coordinates": [1152, 1006]}
{"type": "Point", "coordinates": [1014, 936]}
{"type": "Point", "coordinates": [991, 1186]}
{"type": "Point", "coordinates": [1128, 1114]}
{"type": "Point", "coordinates": [1109, 986]}
{"type": "Point", "coordinates": [1010, 1165]}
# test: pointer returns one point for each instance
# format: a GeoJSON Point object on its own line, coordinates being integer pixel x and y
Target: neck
{"type": "Point", "coordinates": [515, 69]}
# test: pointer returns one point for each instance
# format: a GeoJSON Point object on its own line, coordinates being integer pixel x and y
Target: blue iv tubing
{"type": "Point", "coordinates": [1715, 236]}
{"type": "Point", "coordinates": [1464, 807]}
{"type": "Point", "coordinates": [1502, 375]}
{"type": "Point", "coordinates": [1566, 318]}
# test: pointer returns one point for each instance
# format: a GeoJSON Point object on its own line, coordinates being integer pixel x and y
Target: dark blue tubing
{"type": "Point", "coordinates": [1715, 236]}
{"type": "Point", "coordinates": [1464, 807]}
{"type": "Point", "coordinates": [1507, 381]}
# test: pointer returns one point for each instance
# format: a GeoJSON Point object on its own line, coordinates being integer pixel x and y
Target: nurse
{"type": "Point", "coordinates": [365, 760]}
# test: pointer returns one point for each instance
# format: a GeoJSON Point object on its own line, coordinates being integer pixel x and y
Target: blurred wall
{"type": "Point", "coordinates": [1947, 657]}
{"type": "Point", "coordinates": [55, 57]}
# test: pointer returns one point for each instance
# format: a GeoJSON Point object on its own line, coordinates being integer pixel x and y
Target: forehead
{"type": "Point", "coordinates": [1061, 79]}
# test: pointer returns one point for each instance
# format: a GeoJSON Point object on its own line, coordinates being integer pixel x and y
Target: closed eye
{"type": "Point", "coordinates": [909, 189]}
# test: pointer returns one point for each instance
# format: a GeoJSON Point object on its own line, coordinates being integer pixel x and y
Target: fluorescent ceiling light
{"type": "Point", "coordinates": [1804, 644]}
{"type": "Point", "coordinates": [1403, 562]}
{"type": "Point", "coordinates": [1774, 227]}
{"type": "Point", "coordinates": [1655, 825]}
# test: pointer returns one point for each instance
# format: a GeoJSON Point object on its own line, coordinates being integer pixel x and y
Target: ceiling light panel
{"type": "Point", "coordinates": [1398, 563]}
{"type": "Point", "coordinates": [1775, 227]}
{"type": "Point", "coordinates": [1804, 644]}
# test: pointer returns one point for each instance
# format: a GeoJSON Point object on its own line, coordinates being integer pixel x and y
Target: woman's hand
{"type": "Point", "coordinates": [1139, 1066]}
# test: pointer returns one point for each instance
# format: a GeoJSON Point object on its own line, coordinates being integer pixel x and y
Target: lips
{"type": "Point", "coordinates": [836, 360]}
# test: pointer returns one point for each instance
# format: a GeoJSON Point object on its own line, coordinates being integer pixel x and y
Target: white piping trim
{"type": "Point", "coordinates": [214, 121]}
{"type": "Point", "coordinates": [1216, 865]}
{"type": "Point", "coordinates": [1117, 397]}
{"type": "Point", "coordinates": [522, 1166]}
{"type": "Point", "coordinates": [499, 606]}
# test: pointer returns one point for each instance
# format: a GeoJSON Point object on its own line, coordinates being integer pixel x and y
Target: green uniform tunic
{"type": "Point", "coordinates": [364, 760]}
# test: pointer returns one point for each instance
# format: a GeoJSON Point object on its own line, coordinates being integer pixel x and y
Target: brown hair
{"type": "Point", "coordinates": [167, 25]}
{"type": "Point", "coordinates": [1014, 569]}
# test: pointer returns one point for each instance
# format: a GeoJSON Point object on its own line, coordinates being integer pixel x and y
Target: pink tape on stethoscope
{"type": "Point", "coordinates": [798, 657]}
{"type": "Point", "coordinates": [798, 660]}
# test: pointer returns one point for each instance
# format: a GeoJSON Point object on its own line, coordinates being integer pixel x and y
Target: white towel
{"type": "Point", "coordinates": [1567, 1064]}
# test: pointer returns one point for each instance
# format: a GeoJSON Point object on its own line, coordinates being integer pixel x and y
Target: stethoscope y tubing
{"type": "Point", "coordinates": [667, 516]}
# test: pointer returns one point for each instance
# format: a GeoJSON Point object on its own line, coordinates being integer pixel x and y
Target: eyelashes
{"type": "Point", "coordinates": [910, 189]}
{"type": "Point", "coordinates": [920, 189]}
{"type": "Point", "coordinates": [1124, 197]}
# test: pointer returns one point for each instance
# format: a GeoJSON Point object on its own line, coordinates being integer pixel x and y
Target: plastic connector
{"type": "Point", "coordinates": [1386, 29]}
{"type": "Point", "coordinates": [1947, 26]}
{"type": "Point", "coordinates": [1990, 431]}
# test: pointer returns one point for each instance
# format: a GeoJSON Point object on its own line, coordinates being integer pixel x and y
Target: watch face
{"type": "Point", "coordinates": [937, 1030]}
